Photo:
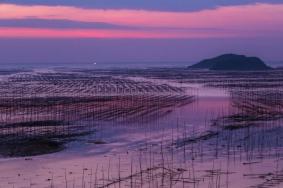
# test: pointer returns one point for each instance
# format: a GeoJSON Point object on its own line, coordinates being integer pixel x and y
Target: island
{"type": "Point", "coordinates": [232, 62]}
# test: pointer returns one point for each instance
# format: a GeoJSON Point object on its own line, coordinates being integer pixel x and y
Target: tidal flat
{"type": "Point", "coordinates": [154, 127]}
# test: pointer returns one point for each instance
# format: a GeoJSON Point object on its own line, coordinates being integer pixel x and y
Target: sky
{"type": "Point", "coordinates": [76, 31]}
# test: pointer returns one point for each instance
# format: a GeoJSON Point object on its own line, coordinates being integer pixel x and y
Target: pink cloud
{"type": "Point", "coordinates": [12, 32]}
{"type": "Point", "coordinates": [231, 21]}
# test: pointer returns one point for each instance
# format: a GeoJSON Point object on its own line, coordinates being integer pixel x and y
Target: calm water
{"type": "Point", "coordinates": [194, 144]}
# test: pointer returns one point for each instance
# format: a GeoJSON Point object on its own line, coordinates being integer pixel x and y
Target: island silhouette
{"type": "Point", "coordinates": [232, 62]}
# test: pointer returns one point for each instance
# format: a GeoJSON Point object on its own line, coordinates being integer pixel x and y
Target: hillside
{"type": "Point", "coordinates": [232, 62]}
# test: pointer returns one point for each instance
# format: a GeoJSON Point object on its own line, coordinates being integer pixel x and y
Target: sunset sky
{"type": "Point", "coordinates": [50, 31]}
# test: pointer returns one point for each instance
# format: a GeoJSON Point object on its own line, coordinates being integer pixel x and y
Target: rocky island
{"type": "Point", "coordinates": [232, 62]}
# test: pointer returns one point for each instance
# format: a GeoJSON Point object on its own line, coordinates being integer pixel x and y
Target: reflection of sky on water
{"type": "Point", "coordinates": [124, 141]}
{"type": "Point", "coordinates": [120, 139]}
